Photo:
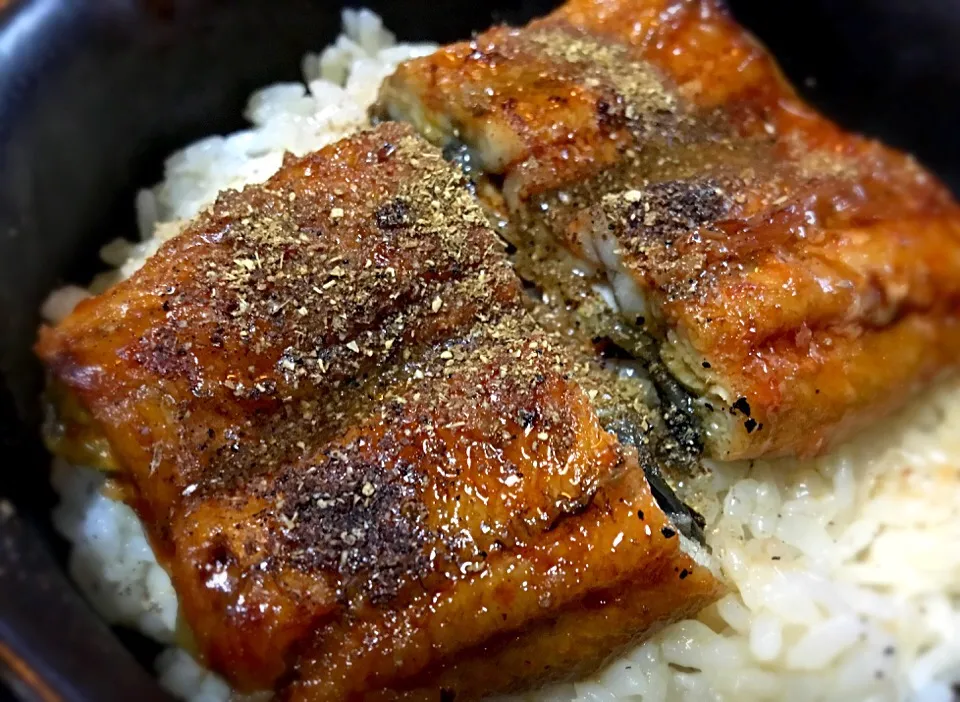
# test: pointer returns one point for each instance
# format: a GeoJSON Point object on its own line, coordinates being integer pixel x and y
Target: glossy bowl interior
{"type": "Point", "coordinates": [93, 95]}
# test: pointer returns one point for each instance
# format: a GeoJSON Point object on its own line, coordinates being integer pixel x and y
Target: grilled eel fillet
{"type": "Point", "coordinates": [797, 281]}
{"type": "Point", "coordinates": [367, 471]}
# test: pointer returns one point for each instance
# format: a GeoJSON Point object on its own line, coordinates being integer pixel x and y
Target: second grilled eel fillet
{"type": "Point", "coordinates": [797, 280]}
{"type": "Point", "coordinates": [368, 472]}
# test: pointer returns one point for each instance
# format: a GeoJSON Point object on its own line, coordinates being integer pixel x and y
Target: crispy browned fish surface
{"type": "Point", "coordinates": [797, 280]}
{"type": "Point", "coordinates": [368, 472]}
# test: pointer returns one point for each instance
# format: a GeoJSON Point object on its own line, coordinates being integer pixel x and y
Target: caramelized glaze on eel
{"type": "Point", "coordinates": [369, 473]}
{"type": "Point", "coordinates": [788, 281]}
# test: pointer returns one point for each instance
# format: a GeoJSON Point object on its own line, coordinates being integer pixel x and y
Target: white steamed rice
{"type": "Point", "coordinates": [844, 571]}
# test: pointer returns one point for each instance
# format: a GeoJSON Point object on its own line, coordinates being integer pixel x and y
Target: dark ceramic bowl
{"type": "Point", "coordinates": [94, 93]}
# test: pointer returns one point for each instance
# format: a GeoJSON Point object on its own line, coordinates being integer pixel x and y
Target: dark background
{"type": "Point", "coordinates": [93, 95]}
